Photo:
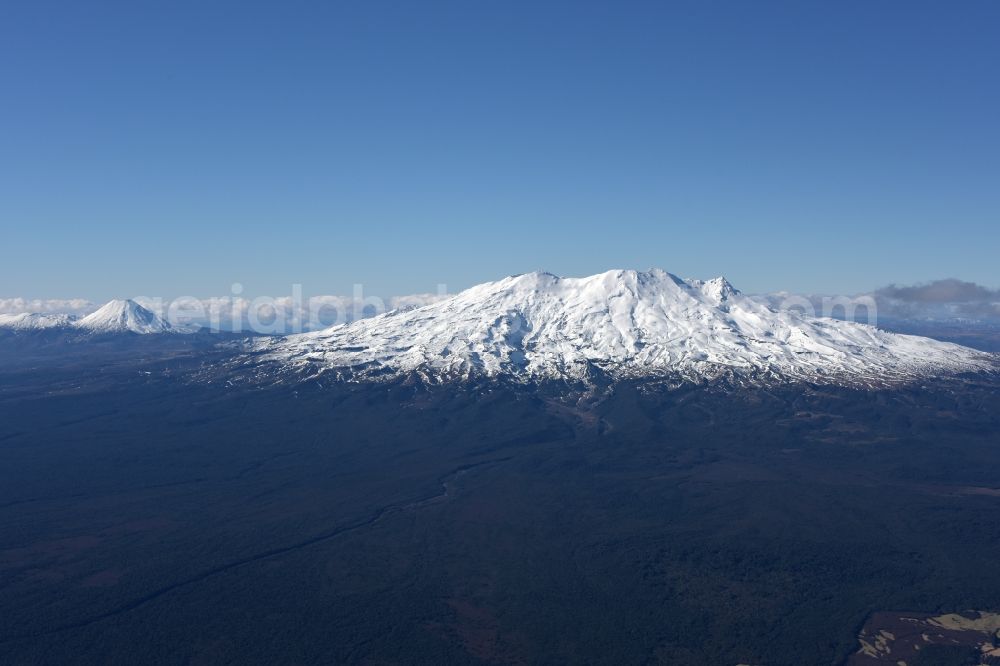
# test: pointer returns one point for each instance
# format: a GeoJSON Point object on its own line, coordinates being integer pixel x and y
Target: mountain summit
{"type": "Point", "coordinates": [122, 316]}
{"type": "Point", "coordinates": [623, 323]}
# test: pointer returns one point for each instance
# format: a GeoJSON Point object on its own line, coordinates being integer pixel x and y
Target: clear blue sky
{"type": "Point", "coordinates": [168, 148]}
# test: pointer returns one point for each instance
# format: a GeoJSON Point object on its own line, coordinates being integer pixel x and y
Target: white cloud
{"type": "Point", "coordinates": [76, 306]}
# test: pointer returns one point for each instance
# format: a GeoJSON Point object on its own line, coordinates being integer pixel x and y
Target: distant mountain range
{"type": "Point", "coordinates": [538, 326]}
{"type": "Point", "coordinates": [118, 316]}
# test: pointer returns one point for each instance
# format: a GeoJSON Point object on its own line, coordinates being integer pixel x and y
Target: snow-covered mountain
{"type": "Point", "coordinates": [35, 321]}
{"type": "Point", "coordinates": [118, 316]}
{"type": "Point", "coordinates": [623, 323]}
{"type": "Point", "coordinates": [122, 316]}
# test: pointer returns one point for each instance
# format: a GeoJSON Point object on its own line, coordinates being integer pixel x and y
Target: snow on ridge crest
{"type": "Point", "coordinates": [34, 321]}
{"type": "Point", "coordinates": [629, 323]}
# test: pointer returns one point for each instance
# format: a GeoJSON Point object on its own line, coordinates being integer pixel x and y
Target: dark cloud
{"type": "Point", "coordinates": [941, 300]}
{"type": "Point", "coordinates": [941, 292]}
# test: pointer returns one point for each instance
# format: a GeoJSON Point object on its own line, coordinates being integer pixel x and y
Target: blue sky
{"type": "Point", "coordinates": [175, 148]}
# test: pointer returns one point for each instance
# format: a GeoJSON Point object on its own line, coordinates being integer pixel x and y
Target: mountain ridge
{"type": "Point", "coordinates": [35, 321]}
{"type": "Point", "coordinates": [627, 323]}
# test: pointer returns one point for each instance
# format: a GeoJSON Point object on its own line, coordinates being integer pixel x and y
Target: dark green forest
{"type": "Point", "coordinates": [151, 515]}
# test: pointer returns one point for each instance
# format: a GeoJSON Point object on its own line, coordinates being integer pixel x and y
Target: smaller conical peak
{"type": "Point", "coordinates": [121, 305]}
{"type": "Point", "coordinates": [123, 315]}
